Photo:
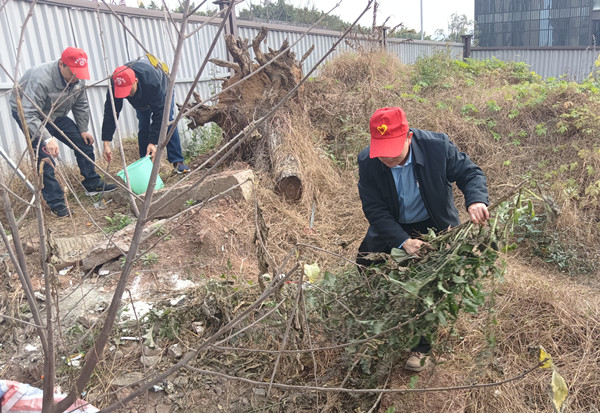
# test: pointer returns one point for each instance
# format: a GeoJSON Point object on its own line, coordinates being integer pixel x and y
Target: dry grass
{"type": "Point", "coordinates": [535, 306]}
{"type": "Point", "coordinates": [339, 223]}
{"type": "Point", "coordinates": [544, 133]}
{"type": "Point", "coordinates": [538, 307]}
{"type": "Point", "coordinates": [532, 307]}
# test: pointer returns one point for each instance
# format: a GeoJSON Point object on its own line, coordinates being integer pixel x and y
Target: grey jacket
{"type": "Point", "coordinates": [45, 86]}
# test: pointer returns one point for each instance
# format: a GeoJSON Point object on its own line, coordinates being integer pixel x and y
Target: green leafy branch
{"type": "Point", "coordinates": [429, 291]}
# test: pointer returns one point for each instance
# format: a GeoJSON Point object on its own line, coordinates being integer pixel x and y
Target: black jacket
{"type": "Point", "coordinates": [150, 95]}
{"type": "Point", "coordinates": [437, 163]}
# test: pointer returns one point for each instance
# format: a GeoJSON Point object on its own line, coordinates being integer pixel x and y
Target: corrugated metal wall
{"type": "Point", "coordinates": [574, 64]}
{"type": "Point", "coordinates": [57, 24]}
{"type": "Point", "coordinates": [53, 27]}
{"type": "Point", "coordinates": [410, 51]}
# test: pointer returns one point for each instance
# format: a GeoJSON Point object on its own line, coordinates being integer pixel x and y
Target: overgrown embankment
{"type": "Point", "coordinates": [512, 123]}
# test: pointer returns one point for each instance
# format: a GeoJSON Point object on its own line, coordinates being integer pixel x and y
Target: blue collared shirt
{"type": "Point", "coordinates": [412, 207]}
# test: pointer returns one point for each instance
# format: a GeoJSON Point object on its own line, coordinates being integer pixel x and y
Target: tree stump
{"type": "Point", "coordinates": [256, 87]}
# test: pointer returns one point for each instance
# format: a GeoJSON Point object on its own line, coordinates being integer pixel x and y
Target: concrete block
{"type": "Point", "coordinates": [218, 185]}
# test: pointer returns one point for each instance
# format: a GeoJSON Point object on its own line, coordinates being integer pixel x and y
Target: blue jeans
{"type": "Point", "coordinates": [52, 191]}
{"type": "Point", "coordinates": [173, 147]}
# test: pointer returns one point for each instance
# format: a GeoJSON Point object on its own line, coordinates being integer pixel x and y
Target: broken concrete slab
{"type": "Point", "coordinates": [191, 193]}
{"type": "Point", "coordinates": [114, 246]}
{"type": "Point", "coordinates": [68, 251]}
{"type": "Point", "coordinates": [109, 249]}
{"type": "Point", "coordinates": [127, 379]}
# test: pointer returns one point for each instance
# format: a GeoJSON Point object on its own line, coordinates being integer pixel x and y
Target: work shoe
{"type": "Point", "coordinates": [416, 362]}
{"type": "Point", "coordinates": [181, 168]}
{"type": "Point", "coordinates": [61, 211]}
{"type": "Point", "coordinates": [98, 189]}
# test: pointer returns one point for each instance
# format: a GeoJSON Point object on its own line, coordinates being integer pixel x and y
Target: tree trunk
{"type": "Point", "coordinates": [252, 97]}
{"type": "Point", "coordinates": [285, 166]}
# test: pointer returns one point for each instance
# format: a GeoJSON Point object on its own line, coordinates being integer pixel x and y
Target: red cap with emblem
{"type": "Point", "coordinates": [123, 78]}
{"type": "Point", "coordinates": [389, 128]}
{"type": "Point", "coordinates": [76, 60]}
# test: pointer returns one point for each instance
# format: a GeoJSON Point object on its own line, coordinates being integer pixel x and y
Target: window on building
{"type": "Point", "coordinates": [559, 32]}
{"type": "Point", "coordinates": [596, 32]}
{"type": "Point", "coordinates": [541, 22]}
{"type": "Point", "coordinates": [517, 32]}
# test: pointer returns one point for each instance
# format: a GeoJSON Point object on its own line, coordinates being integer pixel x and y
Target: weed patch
{"type": "Point", "coordinates": [201, 140]}
{"type": "Point", "coordinates": [117, 222]}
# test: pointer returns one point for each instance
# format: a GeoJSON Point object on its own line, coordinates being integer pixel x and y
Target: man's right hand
{"type": "Point", "coordinates": [151, 150]}
{"type": "Point", "coordinates": [415, 247]}
{"type": "Point", "coordinates": [107, 151]}
{"type": "Point", "coordinates": [52, 147]}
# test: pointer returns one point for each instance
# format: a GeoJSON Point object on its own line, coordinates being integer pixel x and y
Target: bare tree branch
{"type": "Point", "coordinates": [286, 335]}
{"type": "Point", "coordinates": [338, 346]}
{"type": "Point", "coordinates": [362, 391]}
{"type": "Point", "coordinates": [275, 285]}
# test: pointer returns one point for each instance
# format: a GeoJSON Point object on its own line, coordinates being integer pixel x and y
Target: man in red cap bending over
{"type": "Point", "coordinates": [53, 90]}
{"type": "Point", "coordinates": [405, 186]}
{"type": "Point", "coordinates": [145, 87]}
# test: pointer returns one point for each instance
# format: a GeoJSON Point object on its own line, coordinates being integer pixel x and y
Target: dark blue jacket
{"type": "Point", "coordinates": [150, 95]}
{"type": "Point", "coordinates": [437, 163]}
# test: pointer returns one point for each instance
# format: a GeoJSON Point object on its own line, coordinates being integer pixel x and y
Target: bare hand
{"type": "Point", "coordinates": [52, 147]}
{"type": "Point", "coordinates": [416, 247]}
{"type": "Point", "coordinates": [151, 150]}
{"type": "Point", "coordinates": [107, 151]}
{"type": "Point", "coordinates": [87, 138]}
{"type": "Point", "coordinates": [478, 212]}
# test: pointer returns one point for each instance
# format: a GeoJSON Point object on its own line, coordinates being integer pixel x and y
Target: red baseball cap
{"type": "Point", "coordinates": [389, 128]}
{"type": "Point", "coordinates": [76, 60]}
{"type": "Point", "coordinates": [123, 79]}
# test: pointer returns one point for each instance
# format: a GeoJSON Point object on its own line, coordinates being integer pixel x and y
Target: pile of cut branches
{"type": "Point", "coordinates": [390, 305]}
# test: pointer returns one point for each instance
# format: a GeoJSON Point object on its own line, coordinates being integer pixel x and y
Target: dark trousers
{"type": "Point", "coordinates": [414, 230]}
{"type": "Point", "coordinates": [52, 191]}
{"type": "Point", "coordinates": [173, 147]}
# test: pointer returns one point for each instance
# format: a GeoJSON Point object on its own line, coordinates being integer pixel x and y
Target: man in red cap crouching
{"type": "Point", "coordinates": [144, 85]}
{"type": "Point", "coordinates": [53, 90]}
{"type": "Point", "coordinates": [405, 186]}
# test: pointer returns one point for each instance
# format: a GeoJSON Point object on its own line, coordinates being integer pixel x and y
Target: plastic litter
{"type": "Point", "coordinates": [21, 397]}
{"type": "Point", "coordinates": [75, 360]}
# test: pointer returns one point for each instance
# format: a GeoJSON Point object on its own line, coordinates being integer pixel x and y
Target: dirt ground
{"type": "Point", "coordinates": [206, 267]}
{"type": "Point", "coordinates": [211, 242]}
{"type": "Point", "coordinates": [216, 244]}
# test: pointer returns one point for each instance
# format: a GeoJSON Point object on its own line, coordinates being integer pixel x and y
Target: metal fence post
{"type": "Point", "coordinates": [231, 26]}
{"type": "Point", "coordinates": [466, 45]}
{"type": "Point", "coordinates": [384, 30]}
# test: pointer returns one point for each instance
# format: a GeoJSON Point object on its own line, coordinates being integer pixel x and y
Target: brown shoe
{"type": "Point", "coordinates": [416, 362]}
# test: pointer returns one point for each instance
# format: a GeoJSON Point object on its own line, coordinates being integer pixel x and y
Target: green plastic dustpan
{"type": "Point", "coordinates": [139, 172]}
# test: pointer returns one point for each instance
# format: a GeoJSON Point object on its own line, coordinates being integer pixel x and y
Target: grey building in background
{"type": "Point", "coordinates": [538, 23]}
